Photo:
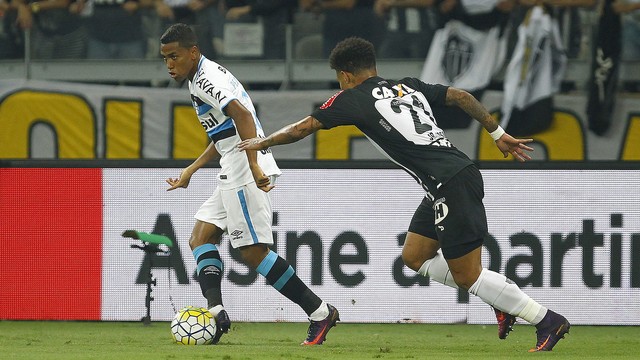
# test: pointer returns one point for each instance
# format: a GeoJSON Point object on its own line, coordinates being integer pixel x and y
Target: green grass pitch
{"type": "Point", "coordinates": [264, 341]}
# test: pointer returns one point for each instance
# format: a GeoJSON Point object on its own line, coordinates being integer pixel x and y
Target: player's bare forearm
{"type": "Point", "coordinates": [505, 142]}
{"type": "Point", "coordinates": [471, 106]}
{"type": "Point", "coordinates": [209, 154]}
{"type": "Point", "coordinates": [245, 125]}
{"type": "Point", "coordinates": [291, 133]}
{"type": "Point", "coordinates": [247, 131]}
{"type": "Point", "coordinates": [286, 135]}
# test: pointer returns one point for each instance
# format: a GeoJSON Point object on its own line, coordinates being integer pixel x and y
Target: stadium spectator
{"type": "Point", "coordinates": [274, 15]}
{"type": "Point", "coordinates": [240, 206]}
{"type": "Point", "coordinates": [630, 11]}
{"type": "Point", "coordinates": [115, 29]}
{"type": "Point", "coordinates": [410, 27]}
{"type": "Point", "coordinates": [396, 116]}
{"type": "Point", "coordinates": [345, 18]}
{"type": "Point", "coordinates": [11, 31]}
{"type": "Point", "coordinates": [203, 15]}
{"type": "Point", "coordinates": [241, 24]}
{"type": "Point", "coordinates": [57, 31]}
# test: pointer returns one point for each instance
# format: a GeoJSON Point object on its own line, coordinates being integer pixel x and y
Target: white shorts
{"type": "Point", "coordinates": [244, 213]}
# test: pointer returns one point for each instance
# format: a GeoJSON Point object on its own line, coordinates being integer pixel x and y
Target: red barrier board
{"type": "Point", "coordinates": [50, 244]}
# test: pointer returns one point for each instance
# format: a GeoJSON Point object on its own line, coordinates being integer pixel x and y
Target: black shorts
{"type": "Point", "coordinates": [456, 218]}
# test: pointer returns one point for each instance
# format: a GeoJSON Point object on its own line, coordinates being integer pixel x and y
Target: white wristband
{"type": "Point", "coordinates": [497, 133]}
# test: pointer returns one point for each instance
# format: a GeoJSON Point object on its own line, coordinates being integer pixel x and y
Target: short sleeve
{"type": "Point", "coordinates": [337, 110]}
{"type": "Point", "coordinates": [436, 94]}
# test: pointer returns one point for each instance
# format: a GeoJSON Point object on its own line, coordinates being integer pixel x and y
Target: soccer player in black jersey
{"type": "Point", "coordinates": [445, 235]}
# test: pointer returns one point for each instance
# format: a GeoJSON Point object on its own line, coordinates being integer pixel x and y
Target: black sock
{"type": "Point", "coordinates": [209, 273]}
{"type": "Point", "coordinates": [284, 279]}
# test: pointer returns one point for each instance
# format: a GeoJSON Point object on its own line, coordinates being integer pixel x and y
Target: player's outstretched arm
{"type": "Point", "coordinates": [286, 135]}
{"type": "Point", "coordinates": [505, 142]}
{"type": "Point", "coordinates": [209, 154]}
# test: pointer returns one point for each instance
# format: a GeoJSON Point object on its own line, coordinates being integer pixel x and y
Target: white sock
{"type": "Point", "coordinates": [321, 312]}
{"type": "Point", "coordinates": [438, 270]}
{"type": "Point", "coordinates": [216, 309]}
{"type": "Point", "coordinates": [503, 294]}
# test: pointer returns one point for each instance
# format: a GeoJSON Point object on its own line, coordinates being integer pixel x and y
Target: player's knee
{"type": "Point", "coordinates": [417, 249]}
{"type": "Point", "coordinates": [253, 255]}
{"type": "Point", "coordinates": [464, 280]}
{"type": "Point", "coordinates": [463, 283]}
{"type": "Point", "coordinates": [204, 233]}
{"type": "Point", "coordinates": [200, 239]}
{"type": "Point", "coordinates": [412, 259]}
{"type": "Point", "coordinates": [195, 241]}
{"type": "Point", "coordinates": [415, 256]}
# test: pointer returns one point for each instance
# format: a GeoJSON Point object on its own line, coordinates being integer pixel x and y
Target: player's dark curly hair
{"type": "Point", "coordinates": [353, 55]}
{"type": "Point", "coordinates": [182, 33]}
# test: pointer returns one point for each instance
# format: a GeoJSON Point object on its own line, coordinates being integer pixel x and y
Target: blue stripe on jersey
{"type": "Point", "coordinates": [227, 124]}
{"type": "Point", "coordinates": [208, 262]}
{"type": "Point", "coordinates": [247, 218]}
{"type": "Point", "coordinates": [267, 263]}
{"type": "Point", "coordinates": [202, 109]}
{"type": "Point", "coordinates": [203, 249]}
{"type": "Point", "coordinates": [284, 278]}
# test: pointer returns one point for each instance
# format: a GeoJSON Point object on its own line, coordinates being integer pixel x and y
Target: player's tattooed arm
{"type": "Point", "coordinates": [470, 105]}
{"type": "Point", "coordinates": [294, 132]}
{"type": "Point", "coordinates": [505, 142]}
{"type": "Point", "coordinates": [288, 134]}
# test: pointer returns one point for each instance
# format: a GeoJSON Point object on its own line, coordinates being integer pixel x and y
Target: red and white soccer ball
{"type": "Point", "coordinates": [193, 326]}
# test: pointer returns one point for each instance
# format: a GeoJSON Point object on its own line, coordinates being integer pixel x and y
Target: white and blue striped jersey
{"type": "Point", "coordinates": [212, 88]}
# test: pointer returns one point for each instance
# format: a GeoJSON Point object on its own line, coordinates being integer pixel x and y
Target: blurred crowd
{"type": "Point", "coordinates": [256, 29]}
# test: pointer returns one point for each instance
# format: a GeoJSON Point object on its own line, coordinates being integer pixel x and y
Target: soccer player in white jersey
{"type": "Point", "coordinates": [445, 236]}
{"type": "Point", "coordinates": [240, 205]}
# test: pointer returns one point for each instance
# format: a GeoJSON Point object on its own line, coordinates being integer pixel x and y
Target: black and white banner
{"type": "Point", "coordinates": [533, 75]}
{"type": "Point", "coordinates": [464, 57]}
{"type": "Point", "coordinates": [605, 63]}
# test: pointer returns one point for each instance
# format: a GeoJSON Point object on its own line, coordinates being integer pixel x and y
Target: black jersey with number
{"type": "Point", "coordinates": [397, 117]}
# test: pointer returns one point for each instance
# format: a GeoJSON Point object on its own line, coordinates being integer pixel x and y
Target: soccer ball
{"type": "Point", "coordinates": [193, 326]}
